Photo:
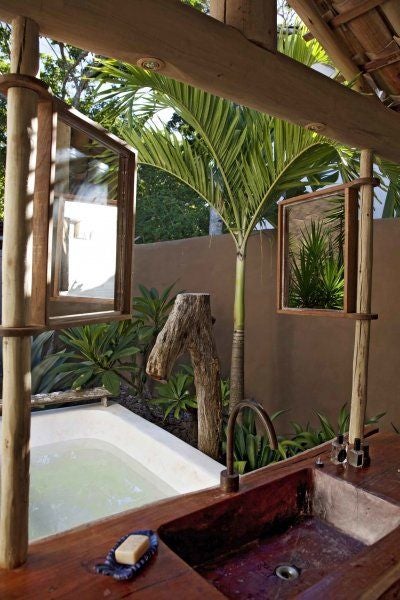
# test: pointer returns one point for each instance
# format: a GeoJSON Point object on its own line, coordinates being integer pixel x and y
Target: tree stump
{"type": "Point", "coordinates": [189, 328]}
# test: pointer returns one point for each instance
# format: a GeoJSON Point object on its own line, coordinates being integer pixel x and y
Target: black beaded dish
{"type": "Point", "coordinates": [124, 572]}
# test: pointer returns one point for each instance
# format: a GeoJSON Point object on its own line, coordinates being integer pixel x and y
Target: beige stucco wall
{"type": "Point", "coordinates": [291, 362]}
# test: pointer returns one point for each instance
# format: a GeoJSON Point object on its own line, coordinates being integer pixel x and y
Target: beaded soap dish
{"type": "Point", "coordinates": [124, 572]}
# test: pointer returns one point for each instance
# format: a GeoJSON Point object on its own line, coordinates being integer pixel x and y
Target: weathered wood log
{"type": "Point", "coordinates": [364, 284]}
{"type": "Point", "coordinates": [17, 289]}
{"type": "Point", "coordinates": [189, 328]}
{"type": "Point", "coordinates": [218, 59]}
{"type": "Point", "coordinates": [68, 397]}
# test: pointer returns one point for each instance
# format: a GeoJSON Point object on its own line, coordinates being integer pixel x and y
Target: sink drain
{"type": "Point", "coordinates": [287, 572]}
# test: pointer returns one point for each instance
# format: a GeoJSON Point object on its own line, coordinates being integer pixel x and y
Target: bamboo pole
{"type": "Point", "coordinates": [364, 284]}
{"type": "Point", "coordinates": [17, 282]}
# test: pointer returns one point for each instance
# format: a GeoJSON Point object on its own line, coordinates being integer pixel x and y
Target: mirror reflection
{"type": "Point", "coordinates": [84, 254]}
{"type": "Point", "coordinates": [314, 254]}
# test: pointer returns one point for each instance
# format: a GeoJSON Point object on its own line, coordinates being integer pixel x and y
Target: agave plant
{"type": "Point", "coordinates": [239, 161]}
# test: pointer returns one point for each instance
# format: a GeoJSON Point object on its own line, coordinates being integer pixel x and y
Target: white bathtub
{"type": "Point", "coordinates": [92, 461]}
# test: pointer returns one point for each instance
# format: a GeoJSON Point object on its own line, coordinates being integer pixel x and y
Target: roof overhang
{"type": "Point", "coordinates": [206, 53]}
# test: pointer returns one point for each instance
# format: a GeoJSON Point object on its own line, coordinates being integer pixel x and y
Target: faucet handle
{"type": "Point", "coordinates": [229, 482]}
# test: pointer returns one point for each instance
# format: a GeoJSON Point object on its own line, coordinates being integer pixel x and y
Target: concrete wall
{"type": "Point", "coordinates": [291, 362]}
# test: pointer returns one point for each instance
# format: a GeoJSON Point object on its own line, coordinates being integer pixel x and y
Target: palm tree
{"type": "Point", "coordinates": [238, 160]}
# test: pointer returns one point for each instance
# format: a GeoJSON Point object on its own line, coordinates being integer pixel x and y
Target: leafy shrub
{"type": "Point", "coordinates": [110, 353]}
{"type": "Point", "coordinates": [316, 270]}
{"type": "Point", "coordinates": [175, 396]}
{"type": "Point", "coordinates": [308, 436]}
{"type": "Point", "coordinates": [252, 451]}
{"type": "Point", "coordinates": [150, 313]}
{"type": "Point", "coordinates": [225, 385]}
{"type": "Point", "coordinates": [97, 354]}
{"type": "Point", "coordinates": [42, 365]}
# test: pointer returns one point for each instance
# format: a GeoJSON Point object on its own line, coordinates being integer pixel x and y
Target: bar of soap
{"type": "Point", "coordinates": [132, 549]}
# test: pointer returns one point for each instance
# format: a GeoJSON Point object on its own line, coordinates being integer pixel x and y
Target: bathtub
{"type": "Point", "coordinates": [90, 462]}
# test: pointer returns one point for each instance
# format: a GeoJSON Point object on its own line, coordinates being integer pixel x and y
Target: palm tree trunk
{"type": "Point", "coordinates": [237, 361]}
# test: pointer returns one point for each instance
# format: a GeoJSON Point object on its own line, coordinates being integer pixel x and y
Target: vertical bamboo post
{"type": "Point", "coordinates": [17, 282]}
{"type": "Point", "coordinates": [364, 284]}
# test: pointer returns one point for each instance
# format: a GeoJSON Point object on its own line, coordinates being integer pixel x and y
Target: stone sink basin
{"type": "Point", "coordinates": [309, 523]}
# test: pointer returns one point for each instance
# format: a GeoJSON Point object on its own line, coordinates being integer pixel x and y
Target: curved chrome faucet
{"type": "Point", "coordinates": [229, 481]}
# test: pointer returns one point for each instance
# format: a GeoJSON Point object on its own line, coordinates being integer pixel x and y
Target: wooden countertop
{"type": "Point", "coordinates": [62, 566]}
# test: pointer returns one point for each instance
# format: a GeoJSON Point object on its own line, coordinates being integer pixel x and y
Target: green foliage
{"type": "Point", "coordinates": [175, 396]}
{"type": "Point", "coordinates": [391, 184]}
{"type": "Point", "coordinates": [316, 270]}
{"type": "Point", "coordinates": [108, 354]}
{"type": "Point", "coordinates": [178, 393]}
{"type": "Point", "coordinates": [42, 364]}
{"type": "Point", "coordinates": [308, 436]}
{"type": "Point", "coordinates": [225, 392]}
{"type": "Point", "coordinates": [43, 379]}
{"type": "Point", "coordinates": [98, 355]}
{"type": "Point", "coordinates": [151, 310]}
{"type": "Point", "coordinates": [252, 451]}
{"type": "Point", "coordinates": [198, 4]}
{"type": "Point", "coordinates": [5, 33]}
{"type": "Point", "coordinates": [167, 209]}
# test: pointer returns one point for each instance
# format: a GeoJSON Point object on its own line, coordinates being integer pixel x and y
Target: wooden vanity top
{"type": "Point", "coordinates": [62, 566]}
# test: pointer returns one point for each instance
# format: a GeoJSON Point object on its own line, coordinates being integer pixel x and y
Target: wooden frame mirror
{"type": "Point", "coordinates": [91, 224]}
{"type": "Point", "coordinates": [81, 218]}
{"type": "Point", "coordinates": [317, 252]}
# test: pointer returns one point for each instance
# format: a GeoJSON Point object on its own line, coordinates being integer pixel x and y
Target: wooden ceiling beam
{"type": "Point", "coordinates": [208, 54]}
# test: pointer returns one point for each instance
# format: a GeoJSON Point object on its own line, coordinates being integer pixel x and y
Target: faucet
{"type": "Point", "coordinates": [229, 481]}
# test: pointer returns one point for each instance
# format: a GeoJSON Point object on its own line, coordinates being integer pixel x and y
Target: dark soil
{"type": "Point", "coordinates": [184, 428]}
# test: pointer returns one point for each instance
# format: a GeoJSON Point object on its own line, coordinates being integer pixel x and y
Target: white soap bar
{"type": "Point", "coordinates": [132, 549]}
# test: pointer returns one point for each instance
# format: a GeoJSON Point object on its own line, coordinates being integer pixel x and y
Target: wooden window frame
{"type": "Point", "coordinates": [350, 193]}
{"type": "Point", "coordinates": [49, 109]}
{"type": "Point", "coordinates": [120, 307]}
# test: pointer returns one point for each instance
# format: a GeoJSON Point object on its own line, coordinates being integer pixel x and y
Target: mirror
{"type": "Point", "coordinates": [82, 217]}
{"type": "Point", "coordinates": [318, 252]}
{"type": "Point", "coordinates": [91, 225]}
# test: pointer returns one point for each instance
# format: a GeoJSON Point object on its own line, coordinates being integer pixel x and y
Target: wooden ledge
{"type": "Point", "coordinates": [322, 312]}
{"type": "Point", "coordinates": [333, 189]}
